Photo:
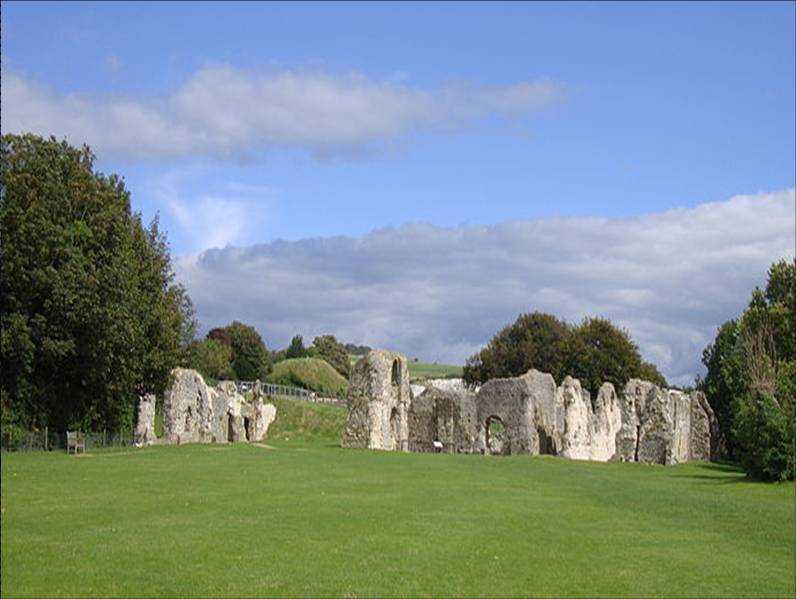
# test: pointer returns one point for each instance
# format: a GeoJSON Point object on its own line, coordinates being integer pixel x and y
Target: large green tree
{"type": "Point", "coordinates": [296, 348]}
{"type": "Point", "coordinates": [725, 380]}
{"type": "Point", "coordinates": [600, 352]}
{"type": "Point", "coordinates": [250, 358]}
{"type": "Point", "coordinates": [534, 340]}
{"type": "Point", "coordinates": [596, 351]}
{"type": "Point", "coordinates": [91, 315]}
{"type": "Point", "coordinates": [328, 348]}
{"type": "Point", "coordinates": [212, 358]}
{"type": "Point", "coordinates": [751, 378]}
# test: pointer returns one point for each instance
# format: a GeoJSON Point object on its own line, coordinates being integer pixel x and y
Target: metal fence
{"type": "Point", "coordinates": [47, 440]}
{"type": "Point", "coordinates": [287, 391]}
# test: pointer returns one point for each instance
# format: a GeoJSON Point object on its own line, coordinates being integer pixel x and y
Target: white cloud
{"type": "Point", "coordinates": [223, 111]}
{"type": "Point", "coordinates": [441, 293]}
{"type": "Point", "coordinates": [215, 219]}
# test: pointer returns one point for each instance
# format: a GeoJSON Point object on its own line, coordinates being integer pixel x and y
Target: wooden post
{"type": "Point", "coordinates": [45, 438]}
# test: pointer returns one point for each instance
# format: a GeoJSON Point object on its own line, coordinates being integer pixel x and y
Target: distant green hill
{"type": "Point", "coordinates": [309, 373]}
{"type": "Point", "coordinates": [420, 371]}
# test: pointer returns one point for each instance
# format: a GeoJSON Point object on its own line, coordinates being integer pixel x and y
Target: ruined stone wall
{"type": "Point", "coordinates": [378, 402]}
{"type": "Point", "coordinates": [145, 425]}
{"type": "Point", "coordinates": [448, 417]}
{"type": "Point", "coordinates": [526, 408]}
{"type": "Point", "coordinates": [188, 409]}
{"type": "Point", "coordinates": [528, 414]}
{"type": "Point", "coordinates": [606, 424]}
{"type": "Point", "coordinates": [193, 412]}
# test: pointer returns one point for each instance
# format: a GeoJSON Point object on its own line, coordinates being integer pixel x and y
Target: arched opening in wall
{"type": "Point", "coordinates": [395, 425]}
{"type": "Point", "coordinates": [546, 444]}
{"type": "Point", "coordinates": [396, 372]}
{"type": "Point", "coordinates": [230, 429]}
{"type": "Point", "coordinates": [247, 428]}
{"type": "Point", "coordinates": [495, 435]}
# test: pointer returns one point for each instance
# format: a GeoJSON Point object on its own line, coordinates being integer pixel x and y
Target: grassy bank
{"type": "Point", "coordinates": [309, 373]}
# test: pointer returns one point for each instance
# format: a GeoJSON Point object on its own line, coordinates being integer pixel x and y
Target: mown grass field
{"type": "Point", "coordinates": [306, 518]}
{"type": "Point", "coordinates": [419, 371]}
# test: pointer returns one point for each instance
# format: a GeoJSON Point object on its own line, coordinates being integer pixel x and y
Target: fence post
{"type": "Point", "coordinates": [46, 435]}
{"type": "Point", "coordinates": [104, 437]}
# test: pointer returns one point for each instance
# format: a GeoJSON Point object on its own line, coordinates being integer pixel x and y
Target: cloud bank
{"type": "Point", "coordinates": [441, 293]}
{"type": "Point", "coordinates": [222, 111]}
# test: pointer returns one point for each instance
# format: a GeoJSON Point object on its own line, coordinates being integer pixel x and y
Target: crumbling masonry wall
{"type": "Point", "coordinates": [445, 417]}
{"type": "Point", "coordinates": [194, 412]}
{"type": "Point", "coordinates": [378, 403]}
{"type": "Point", "coordinates": [527, 414]}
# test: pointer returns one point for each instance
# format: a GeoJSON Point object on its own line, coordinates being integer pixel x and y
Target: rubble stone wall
{"type": "Point", "coordinates": [527, 414]}
{"type": "Point", "coordinates": [378, 402]}
{"type": "Point", "coordinates": [193, 412]}
{"type": "Point", "coordinates": [447, 417]}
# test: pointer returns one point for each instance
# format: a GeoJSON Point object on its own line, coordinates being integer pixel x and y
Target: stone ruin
{"type": "Point", "coordinates": [528, 414]}
{"type": "Point", "coordinates": [378, 403]}
{"type": "Point", "coordinates": [197, 413]}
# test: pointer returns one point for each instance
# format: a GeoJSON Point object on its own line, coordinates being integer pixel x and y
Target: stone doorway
{"type": "Point", "coordinates": [230, 429]}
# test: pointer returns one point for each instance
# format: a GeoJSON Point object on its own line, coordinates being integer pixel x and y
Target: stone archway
{"type": "Point", "coordinates": [495, 431]}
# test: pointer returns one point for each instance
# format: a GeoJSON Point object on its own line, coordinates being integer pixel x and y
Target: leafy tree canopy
{"type": "Point", "coordinates": [92, 317]}
{"type": "Point", "coordinates": [296, 348]}
{"type": "Point", "coordinates": [212, 358]}
{"type": "Point", "coordinates": [596, 351]}
{"type": "Point", "coordinates": [751, 378]}
{"type": "Point", "coordinates": [534, 340]}
{"type": "Point", "coordinates": [250, 358]}
{"type": "Point", "coordinates": [330, 349]}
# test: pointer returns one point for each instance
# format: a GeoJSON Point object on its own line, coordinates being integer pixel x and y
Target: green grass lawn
{"type": "Point", "coordinates": [308, 518]}
{"type": "Point", "coordinates": [419, 371]}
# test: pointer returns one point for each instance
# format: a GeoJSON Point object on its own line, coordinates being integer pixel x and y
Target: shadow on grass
{"type": "Point", "coordinates": [724, 473]}
{"type": "Point", "coordinates": [719, 480]}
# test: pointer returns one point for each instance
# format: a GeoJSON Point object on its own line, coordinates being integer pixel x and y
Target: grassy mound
{"type": "Point", "coordinates": [309, 373]}
{"type": "Point", "coordinates": [298, 419]}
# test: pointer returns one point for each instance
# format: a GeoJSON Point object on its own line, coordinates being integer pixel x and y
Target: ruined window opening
{"type": "Point", "coordinates": [394, 424]}
{"type": "Point", "coordinates": [246, 424]}
{"type": "Point", "coordinates": [495, 435]}
{"type": "Point", "coordinates": [396, 372]}
{"type": "Point", "coordinates": [230, 429]}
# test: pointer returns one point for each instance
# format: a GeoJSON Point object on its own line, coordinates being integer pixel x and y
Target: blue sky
{"type": "Point", "coordinates": [243, 124]}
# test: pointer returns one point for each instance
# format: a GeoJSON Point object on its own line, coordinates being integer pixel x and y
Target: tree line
{"type": "Point", "coordinates": [595, 351]}
{"type": "Point", "coordinates": [92, 317]}
{"type": "Point", "coordinates": [238, 352]}
{"type": "Point", "coordinates": [751, 378]}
